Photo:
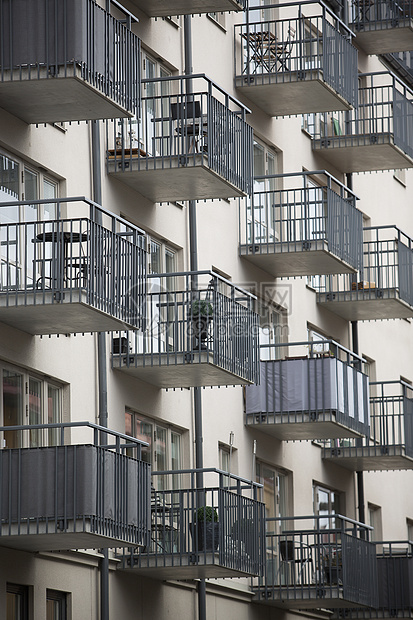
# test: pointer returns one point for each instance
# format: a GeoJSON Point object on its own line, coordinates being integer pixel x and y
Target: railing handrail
{"type": "Point", "coordinates": [388, 73]}
{"type": "Point", "coordinates": [301, 174]}
{"type": "Point", "coordinates": [211, 273]}
{"type": "Point", "coordinates": [313, 343]}
{"type": "Point", "coordinates": [59, 201]}
{"type": "Point", "coordinates": [319, 517]}
{"type": "Point", "coordinates": [393, 382]}
{"type": "Point", "coordinates": [193, 76]}
{"type": "Point", "coordinates": [327, 9]}
{"type": "Point", "coordinates": [208, 470]}
{"type": "Point", "coordinates": [62, 425]}
{"type": "Point", "coordinates": [399, 234]}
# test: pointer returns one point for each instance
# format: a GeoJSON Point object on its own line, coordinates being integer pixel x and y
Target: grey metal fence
{"type": "Point", "coordinates": [222, 523]}
{"type": "Point", "coordinates": [293, 219]}
{"type": "Point", "coordinates": [385, 108]}
{"type": "Point", "coordinates": [293, 48]}
{"type": "Point", "coordinates": [72, 39]}
{"type": "Point", "coordinates": [379, 15]}
{"type": "Point", "coordinates": [191, 316]}
{"type": "Point", "coordinates": [80, 479]}
{"type": "Point", "coordinates": [313, 380]}
{"type": "Point", "coordinates": [316, 559]}
{"type": "Point", "coordinates": [47, 256]}
{"type": "Point", "coordinates": [181, 129]}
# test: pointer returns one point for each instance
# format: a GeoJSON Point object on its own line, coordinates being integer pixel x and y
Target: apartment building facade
{"type": "Point", "coordinates": [205, 309]}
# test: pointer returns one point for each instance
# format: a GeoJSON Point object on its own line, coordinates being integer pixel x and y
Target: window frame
{"type": "Point", "coordinates": [61, 598]}
{"type": "Point", "coordinates": [20, 591]}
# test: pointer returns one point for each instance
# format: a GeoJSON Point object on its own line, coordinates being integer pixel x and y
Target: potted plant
{"type": "Point", "coordinates": [201, 315]}
{"type": "Point", "coordinates": [333, 566]}
{"type": "Point", "coordinates": [205, 529]}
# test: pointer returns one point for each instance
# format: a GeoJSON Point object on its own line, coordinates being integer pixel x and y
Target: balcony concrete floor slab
{"type": "Point", "coordinates": [178, 371]}
{"type": "Point", "coordinates": [173, 182]}
{"type": "Point", "coordinates": [176, 567]}
{"type": "Point", "coordinates": [45, 99]}
{"type": "Point", "coordinates": [370, 458]}
{"type": "Point", "coordinates": [362, 306]}
{"type": "Point", "coordinates": [384, 37]}
{"type": "Point", "coordinates": [46, 317]}
{"type": "Point", "coordinates": [290, 259]}
{"type": "Point", "coordinates": [306, 597]}
{"type": "Point", "coordinates": [286, 94]}
{"type": "Point", "coordinates": [362, 153]}
{"type": "Point", "coordinates": [300, 426]}
{"type": "Point", "coordinates": [164, 8]}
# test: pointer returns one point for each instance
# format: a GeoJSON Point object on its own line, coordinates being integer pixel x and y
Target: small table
{"type": "Point", "coordinates": [59, 260]}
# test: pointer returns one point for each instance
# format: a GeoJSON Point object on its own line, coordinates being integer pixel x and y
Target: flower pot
{"type": "Point", "coordinates": [205, 536]}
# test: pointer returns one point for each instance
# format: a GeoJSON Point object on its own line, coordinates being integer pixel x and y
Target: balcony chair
{"type": "Point", "coordinates": [296, 563]}
{"type": "Point", "coordinates": [191, 125]}
{"type": "Point", "coordinates": [268, 52]}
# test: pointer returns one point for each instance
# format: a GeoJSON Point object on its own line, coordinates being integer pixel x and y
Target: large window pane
{"type": "Point", "coordinates": [54, 414]}
{"type": "Point", "coordinates": [12, 406]}
{"type": "Point", "coordinates": [144, 432]}
{"type": "Point", "coordinates": [35, 411]}
{"type": "Point", "coordinates": [16, 602]}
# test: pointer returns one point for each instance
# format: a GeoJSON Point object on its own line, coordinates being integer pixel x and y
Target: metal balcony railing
{"type": "Point", "coordinates": [213, 529]}
{"type": "Point", "coordinates": [385, 14]}
{"type": "Point", "coordinates": [383, 116]}
{"type": "Point", "coordinates": [309, 390]}
{"type": "Point", "coordinates": [186, 123]}
{"type": "Point", "coordinates": [318, 561]}
{"type": "Point", "coordinates": [386, 279]}
{"type": "Point", "coordinates": [402, 64]}
{"type": "Point", "coordinates": [309, 218]}
{"type": "Point", "coordinates": [70, 251]}
{"type": "Point", "coordinates": [76, 41]}
{"type": "Point", "coordinates": [389, 444]}
{"type": "Point", "coordinates": [160, 8]}
{"type": "Point", "coordinates": [306, 41]}
{"type": "Point", "coordinates": [74, 485]}
{"type": "Point", "coordinates": [194, 320]}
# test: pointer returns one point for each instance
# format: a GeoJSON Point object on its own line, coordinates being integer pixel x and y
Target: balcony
{"type": "Point", "coordinates": [81, 65]}
{"type": "Point", "coordinates": [377, 135]}
{"type": "Point", "coordinates": [193, 143]}
{"type": "Point", "coordinates": [384, 287]}
{"type": "Point", "coordinates": [69, 266]}
{"type": "Point", "coordinates": [301, 62]}
{"type": "Point", "coordinates": [201, 531]}
{"type": "Point", "coordinates": [389, 445]}
{"type": "Point", "coordinates": [316, 393]}
{"type": "Point", "coordinates": [318, 562]}
{"type": "Point", "coordinates": [383, 26]}
{"type": "Point", "coordinates": [402, 64]}
{"type": "Point", "coordinates": [201, 331]}
{"type": "Point", "coordinates": [164, 8]}
{"type": "Point", "coordinates": [302, 229]}
{"type": "Point", "coordinates": [58, 493]}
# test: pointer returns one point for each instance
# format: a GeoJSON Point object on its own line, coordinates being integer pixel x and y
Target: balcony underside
{"type": "Point", "coordinates": [174, 567]}
{"type": "Point", "coordinates": [300, 425]}
{"type": "Point", "coordinates": [370, 458]}
{"type": "Point", "coordinates": [290, 259]}
{"type": "Point", "coordinates": [384, 37]}
{"type": "Point", "coordinates": [164, 8]}
{"type": "Point", "coordinates": [45, 99]}
{"type": "Point", "coordinates": [48, 317]}
{"type": "Point", "coordinates": [176, 371]}
{"type": "Point", "coordinates": [363, 153]}
{"type": "Point", "coordinates": [59, 541]}
{"type": "Point", "coordinates": [287, 94]}
{"type": "Point", "coordinates": [305, 597]}
{"type": "Point", "coordinates": [174, 182]}
{"type": "Point", "coordinates": [362, 306]}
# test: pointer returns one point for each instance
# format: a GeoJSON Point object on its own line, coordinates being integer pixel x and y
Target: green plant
{"type": "Point", "coordinates": [206, 513]}
{"type": "Point", "coordinates": [201, 307]}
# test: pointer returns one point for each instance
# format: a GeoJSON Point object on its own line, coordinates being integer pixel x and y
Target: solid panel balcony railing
{"type": "Point", "coordinates": [378, 135]}
{"type": "Point", "coordinates": [165, 8]}
{"type": "Point", "coordinates": [315, 392]}
{"type": "Point", "coordinates": [318, 562]}
{"type": "Point", "coordinates": [389, 444]}
{"type": "Point", "coordinates": [382, 26]}
{"type": "Point", "coordinates": [200, 331]}
{"type": "Point", "coordinates": [383, 289]}
{"type": "Point", "coordinates": [395, 583]}
{"type": "Point", "coordinates": [82, 63]}
{"type": "Point", "coordinates": [302, 61]}
{"type": "Point", "coordinates": [191, 143]}
{"type": "Point", "coordinates": [302, 229]}
{"type": "Point", "coordinates": [209, 530]}
{"type": "Point", "coordinates": [74, 486]}
{"type": "Point", "coordinates": [69, 266]}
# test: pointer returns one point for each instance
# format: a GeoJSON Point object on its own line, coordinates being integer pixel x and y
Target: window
{"type": "Point", "coordinates": [162, 259]}
{"type": "Point", "coordinates": [321, 345]}
{"type": "Point", "coordinates": [276, 493]}
{"type": "Point", "coordinates": [326, 502]}
{"type": "Point", "coordinates": [219, 18]}
{"type": "Point", "coordinates": [155, 104]}
{"type": "Point", "coordinates": [28, 399]}
{"type": "Point", "coordinates": [273, 329]}
{"type": "Point", "coordinates": [374, 513]}
{"type": "Point", "coordinates": [260, 217]}
{"type": "Point", "coordinates": [400, 175]}
{"type": "Point", "coordinates": [17, 602]}
{"type": "Point", "coordinates": [409, 523]}
{"type": "Point", "coordinates": [56, 605]}
{"type": "Point", "coordinates": [164, 451]}
{"type": "Point", "coordinates": [227, 452]}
